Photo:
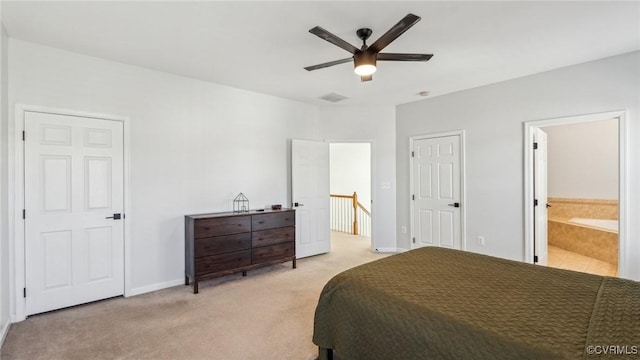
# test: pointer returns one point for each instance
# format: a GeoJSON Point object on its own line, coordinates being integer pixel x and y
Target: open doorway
{"type": "Point", "coordinates": [575, 188]}
{"type": "Point", "coordinates": [350, 188]}
{"type": "Point", "coordinates": [582, 186]}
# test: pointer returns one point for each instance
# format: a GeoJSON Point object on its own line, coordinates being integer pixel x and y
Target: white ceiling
{"type": "Point", "coordinates": [263, 46]}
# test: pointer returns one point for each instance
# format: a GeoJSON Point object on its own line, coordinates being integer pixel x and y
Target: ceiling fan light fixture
{"type": "Point", "coordinates": [365, 58]}
{"type": "Point", "coordinates": [365, 63]}
{"type": "Point", "coordinates": [364, 70]}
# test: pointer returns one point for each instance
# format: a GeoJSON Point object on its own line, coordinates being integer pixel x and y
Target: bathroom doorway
{"type": "Point", "coordinates": [582, 188]}
{"type": "Point", "coordinates": [575, 192]}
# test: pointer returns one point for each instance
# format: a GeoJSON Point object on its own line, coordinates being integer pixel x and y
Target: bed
{"type": "Point", "coordinates": [437, 303]}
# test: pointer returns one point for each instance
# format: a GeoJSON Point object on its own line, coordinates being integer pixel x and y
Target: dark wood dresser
{"type": "Point", "coordinates": [220, 244]}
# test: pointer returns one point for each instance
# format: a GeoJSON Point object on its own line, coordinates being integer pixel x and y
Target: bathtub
{"type": "Point", "coordinates": [594, 238]}
{"type": "Point", "coordinates": [599, 224]}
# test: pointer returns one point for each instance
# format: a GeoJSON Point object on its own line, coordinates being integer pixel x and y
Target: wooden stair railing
{"type": "Point", "coordinates": [349, 215]}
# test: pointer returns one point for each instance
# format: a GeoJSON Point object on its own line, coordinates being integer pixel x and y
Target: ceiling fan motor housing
{"type": "Point", "coordinates": [363, 58]}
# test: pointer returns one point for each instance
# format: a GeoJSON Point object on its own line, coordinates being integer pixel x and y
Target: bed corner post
{"type": "Point", "coordinates": [325, 354]}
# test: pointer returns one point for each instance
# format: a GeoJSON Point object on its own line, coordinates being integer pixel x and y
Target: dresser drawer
{"type": "Point", "coordinates": [222, 244]}
{"type": "Point", "coordinates": [221, 262]}
{"type": "Point", "coordinates": [273, 220]}
{"type": "Point", "coordinates": [221, 226]}
{"type": "Point", "coordinates": [272, 252]}
{"type": "Point", "coordinates": [273, 236]}
{"type": "Point", "coordinates": [219, 244]}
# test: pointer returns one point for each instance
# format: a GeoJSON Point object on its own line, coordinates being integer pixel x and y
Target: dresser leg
{"type": "Point", "coordinates": [195, 286]}
{"type": "Point", "coordinates": [244, 273]}
{"type": "Point", "coordinates": [294, 263]}
{"type": "Point", "coordinates": [186, 280]}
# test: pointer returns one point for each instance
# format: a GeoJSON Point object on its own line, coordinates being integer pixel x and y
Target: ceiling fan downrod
{"type": "Point", "coordinates": [364, 34]}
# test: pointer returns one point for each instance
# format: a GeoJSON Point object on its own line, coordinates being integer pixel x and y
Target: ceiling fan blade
{"type": "Point", "coordinates": [404, 57]}
{"type": "Point", "coordinates": [325, 35]}
{"type": "Point", "coordinates": [397, 30]}
{"type": "Point", "coordinates": [364, 78]}
{"type": "Point", "coordinates": [327, 64]}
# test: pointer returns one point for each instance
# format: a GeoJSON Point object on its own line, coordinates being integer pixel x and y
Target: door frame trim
{"type": "Point", "coordinates": [463, 222]}
{"type": "Point", "coordinates": [623, 164]}
{"type": "Point", "coordinates": [17, 254]}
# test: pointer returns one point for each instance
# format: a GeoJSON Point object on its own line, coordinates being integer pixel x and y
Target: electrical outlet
{"type": "Point", "coordinates": [404, 229]}
{"type": "Point", "coordinates": [481, 240]}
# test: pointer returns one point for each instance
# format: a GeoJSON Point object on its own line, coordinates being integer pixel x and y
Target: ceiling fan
{"type": "Point", "coordinates": [364, 59]}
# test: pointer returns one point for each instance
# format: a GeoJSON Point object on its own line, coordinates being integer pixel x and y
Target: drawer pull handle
{"type": "Point", "coordinates": [261, 222]}
{"type": "Point", "coordinates": [206, 228]}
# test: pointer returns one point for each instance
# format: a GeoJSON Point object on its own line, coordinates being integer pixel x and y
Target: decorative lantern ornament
{"type": "Point", "coordinates": [240, 204]}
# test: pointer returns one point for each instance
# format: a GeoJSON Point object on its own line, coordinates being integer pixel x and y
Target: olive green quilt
{"type": "Point", "coordinates": [437, 303]}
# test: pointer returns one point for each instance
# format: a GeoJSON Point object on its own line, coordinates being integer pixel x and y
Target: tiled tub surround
{"type": "Point", "coordinates": [563, 208]}
{"type": "Point", "coordinates": [589, 240]}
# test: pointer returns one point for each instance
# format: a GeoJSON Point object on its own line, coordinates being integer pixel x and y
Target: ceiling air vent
{"type": "Point", "coordinates": [333, 97]}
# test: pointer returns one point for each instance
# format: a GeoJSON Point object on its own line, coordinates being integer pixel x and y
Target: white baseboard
{"type": "Point", "coordinates": [401, 250]}
{"type": "Point", "coordinates": [4, 331]}
{"type": "Point", "coordinates": [155, 287]}
{"type": "Point", "coordinates": [386, 250]}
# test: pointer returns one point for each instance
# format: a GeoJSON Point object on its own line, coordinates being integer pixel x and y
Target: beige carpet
{"type": "Point", "coordinates": [266, 315]}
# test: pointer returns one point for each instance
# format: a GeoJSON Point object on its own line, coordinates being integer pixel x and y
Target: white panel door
{"type": "Point", "coordinates": [436, 198]}
{"type": "Point", "coordinates": [310, 196]}
{"type": "Point", "coordinates": [74, 248]}
{"type": "Point", "coordinates": [540, 194]}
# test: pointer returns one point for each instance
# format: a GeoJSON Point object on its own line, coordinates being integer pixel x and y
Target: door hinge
{"type": "Point", "coordinates": [24, 213]}
{"type": "Point", "coordinates": [535, 202]}
{"type": "Point", "coordinates": [414, 240]}
{"type": "Point", "coordinates": [413, 154]}
{"type": "Point", "coordinates": [535, 146]}
{"type": "Point", "coordinates": [413, 197]}
{"type": "Point", "coordinates": [24, 292]}
{"type": "Point", "coordinates": [22, 135]}
{"type": "Point", "coordinates": [535, 259]}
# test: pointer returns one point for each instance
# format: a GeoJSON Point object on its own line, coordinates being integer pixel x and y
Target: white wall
{"type": "Point", "coordinates": [4, 234]}
{"type": "Point", "coordinates": [194, 145]}
{"type": "Point", "coordinates": [374, 124]}
{"type": "Point", "coordinates": [582, 160]}
{"type": "Point", "coordinates": [350, 167]}
{"type": "Point", "coordinates": [492, 117]}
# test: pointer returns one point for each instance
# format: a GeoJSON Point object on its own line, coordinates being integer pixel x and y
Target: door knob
{"type": "Point", "coordinates": [297, 204]}
{"type": "Point", "coordinates": [114, 217]}
{"type": "Point", "coordinates": [455, 205]}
